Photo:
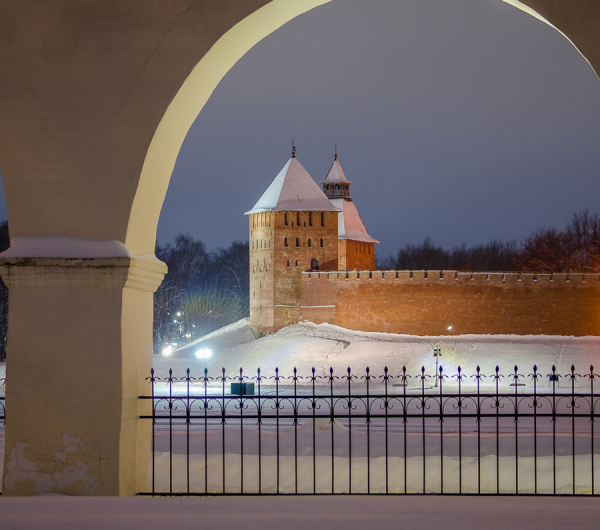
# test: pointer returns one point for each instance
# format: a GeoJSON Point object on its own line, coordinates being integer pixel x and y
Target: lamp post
{"type": "Point", "coordinates": [437, 352]}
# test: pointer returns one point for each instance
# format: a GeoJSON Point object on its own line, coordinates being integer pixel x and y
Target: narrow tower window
{"type": "Point", "coordinates": [309, 243]}
{"type": "Point", "coordinates": [297, 241]}
{"type": "Point", "coordinates": [288, 262]}
{"type": "Point", "coordinates": [309, 220]}
{"type": "Point", "coordinates": [321, 242]}
{"type": "Point", "coordinates": [298, 218]}
{"type": "Point", "coordinates": [285, 219]}
{"type": "Point", "coordinates": [285, 242]}
{"type": "Point", "coordinates": [322, 218]}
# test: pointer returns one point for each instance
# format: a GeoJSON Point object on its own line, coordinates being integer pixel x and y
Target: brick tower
{"type": "Point", "coordinates": [356, 248]}
{"type": "Point", "coordinates": [293, 228]}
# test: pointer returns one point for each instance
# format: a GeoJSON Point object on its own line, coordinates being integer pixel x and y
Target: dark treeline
{"type": "Point", "coordinates": [574, 249]}
{"type": "Point", "coordinates": [203, 290]}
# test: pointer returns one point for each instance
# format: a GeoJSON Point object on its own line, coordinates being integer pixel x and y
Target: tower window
{"type": "Point", "coordinates": [322, 218]}
{"type": "Point", "coordinates": [296, 263]}
{"type": "Point", "coordinates": [297, 241]}
{"type": "Point", "coordinates": [337, 187]}
{"type": "Point", "coordinates": [285, 242]}
{"type": "Point", "coordinates": [298, 218]}
{"type": "Point", "coordinates": [309, 243]}
{"type": "Point", "coordinates": [321, 242]}
{"type": "Point", "coordinates": [288, 262]}
{"type": "Point", "coordinates": [285, 219]}
{"type": "Point", "coordinates": [310, 220]}
{"type": "Point", "coordinates": [314, 264]}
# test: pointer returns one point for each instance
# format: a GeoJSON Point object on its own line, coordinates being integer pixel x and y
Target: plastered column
{"type": "Point", "coordinates": [80, 341]}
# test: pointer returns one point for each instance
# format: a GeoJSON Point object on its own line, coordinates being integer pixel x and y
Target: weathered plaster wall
{"type": "Point", "coordinates": [420, 303]}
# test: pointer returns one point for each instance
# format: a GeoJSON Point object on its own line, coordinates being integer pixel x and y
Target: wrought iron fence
{"type": "Point", "coordinates": [367, 434]}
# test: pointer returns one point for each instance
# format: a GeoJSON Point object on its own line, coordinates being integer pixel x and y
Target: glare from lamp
{"type": "Point", "coordinates": [167, 351]}
{"type": "Point", "coordinates": [203, 353]}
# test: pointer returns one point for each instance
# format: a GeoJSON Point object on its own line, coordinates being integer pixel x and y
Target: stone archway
{"type": "Point", "coordinates": [95, 102]}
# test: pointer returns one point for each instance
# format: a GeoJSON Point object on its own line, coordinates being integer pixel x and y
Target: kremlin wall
{"type": "Point", "coordinates": [311, 258]}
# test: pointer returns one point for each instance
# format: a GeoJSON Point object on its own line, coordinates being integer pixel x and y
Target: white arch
{"type": "Point", "coordinates": [191, 98]}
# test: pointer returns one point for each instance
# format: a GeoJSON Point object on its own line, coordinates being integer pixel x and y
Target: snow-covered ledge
{"type": "Point", "coordinates": [79, 350]}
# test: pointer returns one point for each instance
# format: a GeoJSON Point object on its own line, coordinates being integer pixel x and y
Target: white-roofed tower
{"type": "Point", "coordinates": [293, 228]}
{"type": "Point", "coordinates": [356, 248]}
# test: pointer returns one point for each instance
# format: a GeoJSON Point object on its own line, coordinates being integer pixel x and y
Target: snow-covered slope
{"type": "Point", "coordinates": [308, 345]}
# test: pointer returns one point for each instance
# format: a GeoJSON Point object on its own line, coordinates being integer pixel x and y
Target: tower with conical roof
{"type": "Point", "coordinates": [293, 228]}
{"type": "Point", "coordinates": [356, 248]}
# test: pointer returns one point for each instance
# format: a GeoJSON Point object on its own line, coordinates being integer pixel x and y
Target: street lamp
{"type": "Point", "coordinates": [437, 352]}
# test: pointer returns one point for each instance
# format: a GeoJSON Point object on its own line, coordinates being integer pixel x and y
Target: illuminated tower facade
{"type": "Point", "coordinates": [293, 228]}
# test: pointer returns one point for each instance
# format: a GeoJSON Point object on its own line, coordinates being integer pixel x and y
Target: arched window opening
{"type": "Point", "coordinates": [285, 219]}
{"type": "Point", "coordinates": [309, 242]}
{"type": "Point", "coordinates": [298, 218]}
{"type": "Point", "coordinates": [314, 264]}
{"type": "Point", "coordinates": [310, 220]}
{"type": "Point", "coordinates": [322, 218]}
{"type": "Point", "coordinates": [297, 242]}
{"type": "Point", "coordinates": [337, 187]}
{"type": "Point", "coordinates": [321, 242]}
{"type": "Point", "coordinates": [285, 242]}
{"type": "Point", "coordinates": [261, 244]}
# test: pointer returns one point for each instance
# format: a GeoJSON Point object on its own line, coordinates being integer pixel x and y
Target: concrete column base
{"type": "Point", "coordinates": [79, 350]}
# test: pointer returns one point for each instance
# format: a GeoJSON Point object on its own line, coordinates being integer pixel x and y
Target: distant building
{"type": "Point", "coordinates": [297, 227]}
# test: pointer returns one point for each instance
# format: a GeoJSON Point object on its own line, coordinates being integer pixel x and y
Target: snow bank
{"type": "Point", "coordinates": [307, 345]}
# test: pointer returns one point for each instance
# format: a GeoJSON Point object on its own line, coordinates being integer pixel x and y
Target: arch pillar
{"type": "Point", "coordinates": [81, 348]}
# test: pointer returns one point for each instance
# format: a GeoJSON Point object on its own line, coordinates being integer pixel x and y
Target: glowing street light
{"type": "Point", "coordinates": [203, 353]}
{"type": "Point", "coordinates": [167, 351]}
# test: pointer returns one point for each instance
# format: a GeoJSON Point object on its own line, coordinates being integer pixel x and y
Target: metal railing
{"type": "Point", "coordinates": [392, 434]}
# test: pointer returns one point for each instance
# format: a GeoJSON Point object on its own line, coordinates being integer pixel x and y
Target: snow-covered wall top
{"type": "Point", "coordinates": [592, 280]}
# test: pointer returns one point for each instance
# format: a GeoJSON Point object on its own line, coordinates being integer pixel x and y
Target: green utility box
{"type": "Point", "coordinates": [247, 389]}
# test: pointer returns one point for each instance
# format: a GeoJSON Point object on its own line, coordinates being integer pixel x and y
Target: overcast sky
{"type": "Point", "coordinates": [460, 120]}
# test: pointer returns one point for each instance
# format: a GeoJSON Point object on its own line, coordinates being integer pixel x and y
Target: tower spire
{"type": "Point", "coordinates": [335, 158]}
{"type": "Point", "coordinates": [293, 149]}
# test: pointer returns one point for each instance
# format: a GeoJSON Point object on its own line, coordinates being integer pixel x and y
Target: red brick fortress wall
{"type": "Point", "coordinates": [425, 303]}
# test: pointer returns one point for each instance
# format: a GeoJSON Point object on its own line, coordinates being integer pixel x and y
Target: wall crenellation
{"type": "Point", "coordinates": [450, 276]}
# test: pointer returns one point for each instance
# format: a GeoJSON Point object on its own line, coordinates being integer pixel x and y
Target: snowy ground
{"type": "Point", "coordinates": [296, 513]}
